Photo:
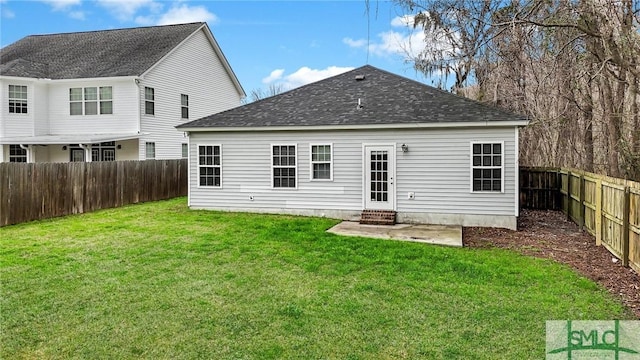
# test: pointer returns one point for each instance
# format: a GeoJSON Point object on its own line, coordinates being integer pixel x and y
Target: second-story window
{"type": "Point", "coordinates": [91, 100]}
{"type": "Point", "coordinates": [149, 101]}
{"type": "Point", "coordinates": [184, 102]}
{"type": "Point", "coordinates": [17, 99]}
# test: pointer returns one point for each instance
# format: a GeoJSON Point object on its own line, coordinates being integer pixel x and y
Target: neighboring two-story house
{"type": "Point", "coordinates": [110, 95]}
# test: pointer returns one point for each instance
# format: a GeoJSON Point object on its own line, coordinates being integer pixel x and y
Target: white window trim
{"type": "Point", "coordinates": [144, 96]}
{"type": "Point", "coordinates": [155, 150]}
{"type": "Point", "coordinates": [98, 101]}
{"type": "Point", "coordinates": [295, 145]}
{"type": "Point", "coordinates": [311, 162]}
{"type": "Point", "coordinates": [492, 167]}
{"type": "Point", "coordinates": [9, 99]}
{"type": "Point", "coordinates": [182, 106]}
{"type": "Point", "coordinates": [198, 166]}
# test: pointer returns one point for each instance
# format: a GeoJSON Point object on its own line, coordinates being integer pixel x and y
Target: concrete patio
{"type": "Point", "coordinates": [448, 235]}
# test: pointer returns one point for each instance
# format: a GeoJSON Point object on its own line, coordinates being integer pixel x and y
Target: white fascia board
{"type": "Point", "coordinates": [41, 80]}
{"type": "Point", "coordinates": [478, 124]}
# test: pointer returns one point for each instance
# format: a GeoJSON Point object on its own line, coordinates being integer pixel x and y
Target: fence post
{"type": "Point", "coordinates": [599, 211]}
{"type": "Point", "coordinates": [581, 204]}
{"type": "Point", "coordinates": [568, 195]}
{"type": "Point", "coordinates": [625, 227]}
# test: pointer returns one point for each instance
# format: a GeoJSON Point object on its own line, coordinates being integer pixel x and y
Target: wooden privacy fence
{"type": "Point", "coordinates": [44, 190]}
{"type": "Point", "coordinates": [608, 208]}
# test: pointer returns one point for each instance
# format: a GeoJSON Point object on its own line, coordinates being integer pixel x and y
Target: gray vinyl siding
{"type": "Point", "coordinates": [193, 69]}
{"type": "Point", "coordinates": [436, 169]}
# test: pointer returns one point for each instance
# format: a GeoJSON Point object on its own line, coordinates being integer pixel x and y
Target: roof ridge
{"type": "Point", "coordinates": [111, 30]}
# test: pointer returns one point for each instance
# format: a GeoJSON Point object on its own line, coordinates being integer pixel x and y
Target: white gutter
{"type": "Point", "coordinates": [475, 124]}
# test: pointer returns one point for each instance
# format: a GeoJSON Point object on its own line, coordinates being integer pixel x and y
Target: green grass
{"type": "Point", "coordinates": [158, 280]}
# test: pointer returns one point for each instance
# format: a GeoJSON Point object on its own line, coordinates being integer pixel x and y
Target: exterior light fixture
{"type": "Point", "coordinates": [64, 148]}
{"type": "Point", "coordinates": [405, 148]}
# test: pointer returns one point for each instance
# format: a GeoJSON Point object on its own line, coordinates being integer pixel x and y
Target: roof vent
{"type": "Point", "coordinates": [359, 106]}
{"type": "Point", "coordinates": [359, 77]}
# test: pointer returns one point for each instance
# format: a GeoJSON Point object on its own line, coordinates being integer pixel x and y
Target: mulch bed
{"type": "Point", "coordinates": [548, 234]}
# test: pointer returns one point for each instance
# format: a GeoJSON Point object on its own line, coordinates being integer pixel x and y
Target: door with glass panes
{"type": "Point", "coordinates": [379, 177]}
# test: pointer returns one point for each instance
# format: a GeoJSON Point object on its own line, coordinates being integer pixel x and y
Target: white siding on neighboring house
{"type": "Point", "coordinates": [16, 124]}
{"type": "Point", "coordinates": [436, 169]}
{"type": "Point", "coordinates": [193, 69]}
{"type": "Point", "coordinates": [41, 109]}
{"type": "Point", "coordinates": [123, 120]}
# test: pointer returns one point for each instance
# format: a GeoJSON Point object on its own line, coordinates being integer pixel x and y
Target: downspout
{"type": "Point", "coordinates": [26, 147]}
{"type": "Point", "coordinates": [87, 152]}
{"type": "Point", "coordinates": [139, 114]}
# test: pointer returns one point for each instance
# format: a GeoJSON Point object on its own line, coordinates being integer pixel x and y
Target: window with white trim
{"type": "Point", "coordinates": [150, 150]}
{"type": "Point", "coordinates": [185, 150]}
{"type": "Point", "coordinates": [487, 167]}
{"type": "Point", "coordinates": [17, 99]}
{"type": "Point", "coordinates": [321, 162]}
{"type": "Point", "coordinates": [149, 101]}
{"type": "Point", "coordinates": [209, 166]}
{"type": "Point", "coordinates": [104, 151]}
{"type": "Point", "coordinates": [184, 106]}
{"type": "Point", "coordinates": [283, 166]}
{"type": "Point", "coordinates": [17, 154]}
{"type": "Point", "coordinates": [91, 100]}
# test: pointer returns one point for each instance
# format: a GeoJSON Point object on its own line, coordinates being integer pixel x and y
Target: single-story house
{"type": "Point", "coordinates": [366, 139]}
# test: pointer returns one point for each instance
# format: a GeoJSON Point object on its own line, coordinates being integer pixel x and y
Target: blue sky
{"type": "Point", "coordinates": [286, 43]}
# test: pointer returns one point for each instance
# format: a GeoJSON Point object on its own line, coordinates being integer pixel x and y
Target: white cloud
{"type": "Point", "coordinates": [275, 75]}
{"type": "Point", "coordinates": [59, 5]}
{"type": "Point", "coordinates": [78, 15]}
{"type": "Point", "coordinates": [187, 14]}
{"type": "Point", "coordinates": [304, 75]}
{"type": "Point", "coordinates": [125, 10]}
{"type": "Point", "coordinates": [7, 13]}
{"type": "Point", "coordinates": [405, 41]}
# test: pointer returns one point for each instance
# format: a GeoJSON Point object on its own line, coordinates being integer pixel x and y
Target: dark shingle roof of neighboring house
{"type": "Point", "coordinates": [121, 52]}
{"type": "Point", "coordinates": [385, 98]}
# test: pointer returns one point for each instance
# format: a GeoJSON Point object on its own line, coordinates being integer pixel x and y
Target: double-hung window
{"type": "Point", "coordinates": [91, 100]}
{"type": "Point", "coordinates": [487, 167]}
{"type": "Point", "coordinates": [321, 162]}
{"type": "Point", "coordinates": [149, 101]}
{"type": "Point", "coordinates": [284, 166]}
{"type": "Point", "coordinates": [209, 165]}
{"type": "Point", "coordinates": [184, 106]}
{"type": "Point", "coordinates": [17, 99]}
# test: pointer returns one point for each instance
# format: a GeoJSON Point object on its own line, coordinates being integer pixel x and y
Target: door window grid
{"type": "Point", "coordinates": [17, 154]}
{"type": "Point", "coordinates": [379, 176]}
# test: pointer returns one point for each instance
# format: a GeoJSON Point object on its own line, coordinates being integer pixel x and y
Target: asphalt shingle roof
{"type": "Point", "coordinates": [386, 98]}
{"type": "Point", "coordinates": [121, 52]}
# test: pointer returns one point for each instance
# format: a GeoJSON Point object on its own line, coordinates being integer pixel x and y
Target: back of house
{"type": "Point", "coordinates": [110, 95]}
{"type": "Point", "coordinates": [363, 140]}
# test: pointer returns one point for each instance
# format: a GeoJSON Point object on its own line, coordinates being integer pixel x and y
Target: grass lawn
{"type": "Point", "coordinates": [157, 280]}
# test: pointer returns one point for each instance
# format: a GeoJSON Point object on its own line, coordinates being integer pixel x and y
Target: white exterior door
{"type": "Point", "coordinates": [379, 176]}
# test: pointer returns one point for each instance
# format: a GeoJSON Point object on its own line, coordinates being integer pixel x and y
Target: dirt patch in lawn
{"type": "Point", "coordinates": [548, 234]}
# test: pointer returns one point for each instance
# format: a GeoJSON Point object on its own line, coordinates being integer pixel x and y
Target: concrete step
{"type": "Point", "coordinates": [378, 217]}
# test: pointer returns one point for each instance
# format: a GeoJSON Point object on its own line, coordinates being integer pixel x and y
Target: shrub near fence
{"type": "Point", "coordinates": [44, 190]}
{"type": "Point", "coordinates": [608, 208]}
